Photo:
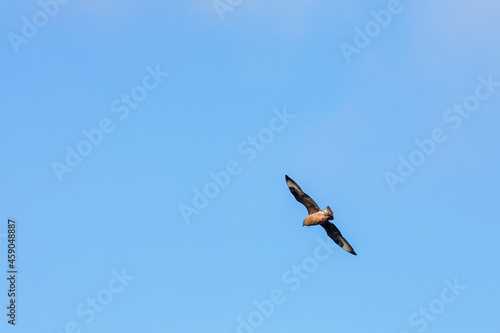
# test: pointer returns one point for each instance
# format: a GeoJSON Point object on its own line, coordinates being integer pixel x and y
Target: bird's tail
{"type": "Point", "coordinates": [329, 211]}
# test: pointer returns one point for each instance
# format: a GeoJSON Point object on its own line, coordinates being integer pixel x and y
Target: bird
{"type": "Point", "coordinates": [317, 216]}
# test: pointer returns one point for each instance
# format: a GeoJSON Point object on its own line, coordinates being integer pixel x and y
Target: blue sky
{"type": "Point", "coordinates": [156, 99]}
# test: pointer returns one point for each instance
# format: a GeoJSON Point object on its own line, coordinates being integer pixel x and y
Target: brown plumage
{"type": "Point", "coordinates": [317, 216]}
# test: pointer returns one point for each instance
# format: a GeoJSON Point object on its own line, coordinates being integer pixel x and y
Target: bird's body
{"type": "Point", "coordinates": [316, 216]}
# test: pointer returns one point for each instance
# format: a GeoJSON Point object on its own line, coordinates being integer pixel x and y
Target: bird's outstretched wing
{"type": "Point", "coordinates": [335, 234]}
{"type": "Point", "coordinates": [301, 197]}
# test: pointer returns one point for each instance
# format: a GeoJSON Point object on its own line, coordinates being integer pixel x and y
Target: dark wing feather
{"type": "Point", "coordinates": [335, 234]}
{"type": "Point", "coordinates": [301, 197]}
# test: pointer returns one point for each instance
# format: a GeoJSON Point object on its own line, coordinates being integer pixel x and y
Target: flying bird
{"type": "Point", "coordinates": [317, 216]}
